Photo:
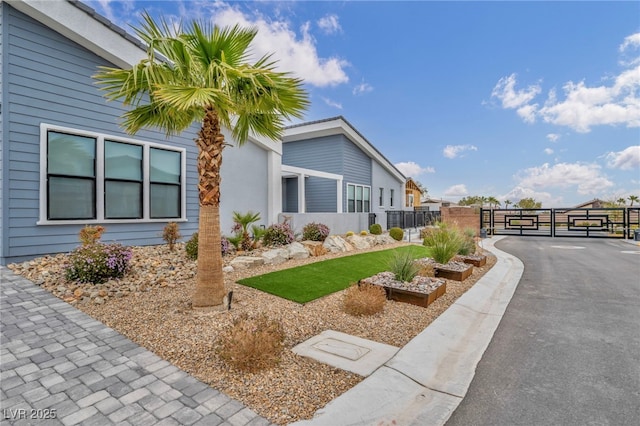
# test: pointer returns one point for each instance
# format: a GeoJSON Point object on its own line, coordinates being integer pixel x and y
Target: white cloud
{"type": "Point", "coordinates": [632, 41]}
{"type": "Point", "coordinates": [413, 169]}
{"type": "Point", "coordinates": [295, 53]}
{"type": "Point", "coordinates": [362, 88]}
{"type": "Point", "coordinates": [453, 151]}
{"type": "Point", "coordinates": [518, 193]}
{"type": "Point", "coordinates": [586, 178]}
{"type": "Point", "coordinates": [626, 159]}
{"type": "Point", "coordinates": [505, 91]}
{"type": "Point", "coordinates": [459, 190]}
{"type": "Point", "coordinates": [330, 24]}
{"type": "Point", "coordinates": [548, 151]}
{"type": "Point", "coordinates": [553, 137]}
{"type": "Point", "coordinates": [332, 103]}
{"type": "Point", "coordinates": [583, 106]}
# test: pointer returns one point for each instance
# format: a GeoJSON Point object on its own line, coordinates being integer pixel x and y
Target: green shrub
{"type": "Point", "coordinates": [96, 263]}
{"type": "Point", "coordinates": [191, 248]}
{"type": "Point", "coordinates": [403, 266]}
{"type": "Point", "coordinates": [315, 232]}
{"type": "Point", "coordinates": [363, 233]}
{"type": "Point", "coordinates": [443, 243]}
{"type": "Point", "coordinates": [279, 234]}
{"type": "Point", "coordinates": [396, 233]}
{"type": "Point", "coordinates": [350, 233]}
{"type": "Point", "coordinates": [375, 229]}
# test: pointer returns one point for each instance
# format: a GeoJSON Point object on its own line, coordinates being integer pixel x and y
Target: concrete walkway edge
{"type": "Point", "coordinates": [426, 380]}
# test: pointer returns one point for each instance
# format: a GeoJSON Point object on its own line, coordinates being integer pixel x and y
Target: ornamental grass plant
{"type": "Point", "coordinates": [443, 243]}
{"type": "Point", "coordinates": [251, 343]}
{"type": "Point", "coordinates": [364, 299]}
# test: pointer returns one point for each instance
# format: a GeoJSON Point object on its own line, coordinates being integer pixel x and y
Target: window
{"type": "Point", "coordinates": [88, 177]}
{"type": "Point", "coordinates": [71, 189]}
{"type": "Point", "coordinates": [358, 199]}
{"type": "Point", "coordinates": [381, 198]}
{"type": "Point", "coordinates": [409, 200]}
{"type": "Point", "coordinates": [122, 180]}
{"type": "Point", "coordinates": [391, 198]}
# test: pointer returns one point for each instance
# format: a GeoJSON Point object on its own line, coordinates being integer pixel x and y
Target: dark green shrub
{"type": "Point", "coordinates": [375, 229]}
{"type": "Point", "coordinates": [315, 232]}
{"type": "Point", "coordinates": [279, 234]}
{"type": "Point", "coordinates": [396, 233]}
{"type": "Point", "coordinates": [191, 248]}
{"type": "Point", "coordinates": [96, 263]}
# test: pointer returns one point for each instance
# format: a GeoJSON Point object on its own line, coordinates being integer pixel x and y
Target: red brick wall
{"type": "Point", "coordinates": [463, 217]}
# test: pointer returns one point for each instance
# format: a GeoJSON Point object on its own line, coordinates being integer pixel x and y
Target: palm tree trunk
{"type": "Point", "coordinates": [210, 289]}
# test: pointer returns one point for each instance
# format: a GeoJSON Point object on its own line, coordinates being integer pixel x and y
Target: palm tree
{"type": "Point", "coordinates": [633, 198]}
{"type": "Point", "coordinates": [201, 74]}
{"type": "Point", "coordinates": [507, 203]}
{"type": "Point", "coordinates": [621, 201]}
{"type": "Point", "coordinates": [493, 201]}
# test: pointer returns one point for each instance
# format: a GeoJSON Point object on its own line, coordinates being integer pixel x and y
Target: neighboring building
{"type": "Point", "coordinates": [413, 194]}
{"type": "Point", "coordinates": [330, 167]}
{"type": "Point", "coordinates": [434, 205]}
{"type": "Point", "coordinates": [593, 204]}
{"type": "Point", "coordinates": [65, 162]}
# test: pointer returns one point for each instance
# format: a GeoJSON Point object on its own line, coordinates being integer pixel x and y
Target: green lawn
{"type": "Point", "coordinates": [309, 282]}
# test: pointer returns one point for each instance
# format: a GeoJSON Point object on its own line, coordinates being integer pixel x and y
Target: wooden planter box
{"type": "Point", "coordinates": [453, 275]}
{"type": "Point", "coordinates": [413, 297]}
{"type": "Point", "coordinates": [475, 261]}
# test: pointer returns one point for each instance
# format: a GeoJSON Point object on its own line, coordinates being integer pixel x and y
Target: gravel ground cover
{"type": "Point", "coordinates": [151, 306]}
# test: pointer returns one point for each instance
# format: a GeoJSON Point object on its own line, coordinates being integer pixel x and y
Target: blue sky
{"type": "Point", "coordinates": [503, 99]}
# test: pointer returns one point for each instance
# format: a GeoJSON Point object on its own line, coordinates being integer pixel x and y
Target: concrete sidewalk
{"type": "Point", "coordinates": [427, 379]}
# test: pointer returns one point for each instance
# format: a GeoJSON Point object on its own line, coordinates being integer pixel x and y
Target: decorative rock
{"type": "Point", "coordinates": [227, 268]}
{"type": "Point", "coordinates": [297, 251]}
{"type": "Point", "coordinates": [275, 256]}
{"type": "Point", "coordinates": [98, 300]}
{"type": "Point", "coordinates": [244, 262]}
{"type": "Point", "coordinates": [315, 248]}
{"type": "Point", "coordinates": [384, 239]}
{"type": "Point", "coordinates": [78, 293]}
{"type": "Point", "coordinates": [336, 244]}
{"type": "Point", "coordinates": [361, 243]}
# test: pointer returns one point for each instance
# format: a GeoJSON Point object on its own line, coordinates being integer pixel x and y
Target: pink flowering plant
{"type": "Point", "coordinates": [315, 231]}
{"type": "Point", "coordinates": [279, 234]}
{"type": "Point", "coordinates": [97, 263]}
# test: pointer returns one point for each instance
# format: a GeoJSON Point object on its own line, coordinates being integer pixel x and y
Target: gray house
{"type": "Point", "coordinates": [64, 160]}
{"type": "Point", "coordinates": [330, 167]}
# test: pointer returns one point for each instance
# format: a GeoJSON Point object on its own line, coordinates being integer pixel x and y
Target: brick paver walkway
{"type": "Point", "coordinates": [58, 366]}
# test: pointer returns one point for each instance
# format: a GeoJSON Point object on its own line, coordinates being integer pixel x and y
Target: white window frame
{"type": "Point", "coordinates": [355, 200]}
{"type": "Point", "coordinates": [381, 197]}
{"type": "Point", "coordinates": [100, 178]}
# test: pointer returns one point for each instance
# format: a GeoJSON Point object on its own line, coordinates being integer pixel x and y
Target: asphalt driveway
{"type": "Point", "coordinates": [567, 351]}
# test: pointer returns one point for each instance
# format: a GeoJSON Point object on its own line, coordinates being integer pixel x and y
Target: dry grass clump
{"type": "Point", "coordinates": [251, 343]}
{"type": "Point", "coordinates": [364, 299]}
{"type": "Point", "coordinates": [427, 271]}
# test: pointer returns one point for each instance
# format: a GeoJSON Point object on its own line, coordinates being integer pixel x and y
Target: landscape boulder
{"type": "Point", "coordinates": [336, 244]}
